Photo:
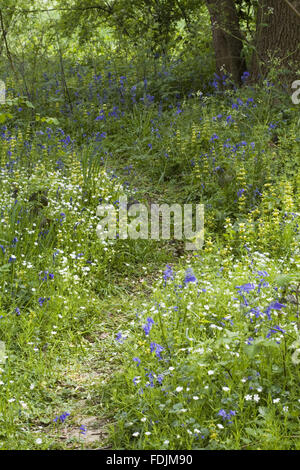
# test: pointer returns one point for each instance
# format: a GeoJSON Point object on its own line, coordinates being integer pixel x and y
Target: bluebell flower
{"type": "Point", "coordinates": [261, 284]}
{"type": "Point", "coordinates": [189, 276]}
{"type": "Point", "coordinates": [213, 137]}
{"type": "Point", "coordinates": [168, 274]}
{"type": "Point", "coordinates": [246, 287]}
{"type": "Point", "coordinates": [82, 429]}
{"type": "Point", "coordinates": [15, 241]}
{"type": "Point", "coordinates": [151, 379]}
{"type": "Point", "coordinates": [119, 338]}
{"type": "Point", "coordinates": [245, 76]}
{"type": "Point", "coordinates": [222, 413]}
{"type": "Point", "coordinates": [42, 300]}
{"type": "Point", "coordinates": [256, 312]}
{"type": "Point", "coordinates": [273, 306]}
{"type": "Point", "coordinates": [101, 116]}
{"type": "Point", "coordinates": [262, 274]}
{"type": "Point", "coordinates": [62, 417]}
{"type": "Point", "coordinates": [227, 416]}
{"type": "Point", "coordinates": [157, 348]}
{"type": "Point", "coordinates": [275, 329]}
{"type": "Point", "coordinates": [148, 326]}
{"type": "Point", "coordinates": [160, 379]}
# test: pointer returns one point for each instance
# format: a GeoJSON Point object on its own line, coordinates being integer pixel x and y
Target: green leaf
{"type": "Point", "coordinates": [4, 117]}
{"type": "Point", "coordinates": [252, 432]}
{"type": "Point", "coordinates": [5, 268]}
{"type": "Point", "coordinates": [283, 280]}
{"type": "Point", "coordinates": [29, 104]}
{"type": "Point", "coordinates": [263, 411]}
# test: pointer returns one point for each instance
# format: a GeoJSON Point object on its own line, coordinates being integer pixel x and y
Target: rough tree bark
{"type": "Point", "coordinates": [277, 36]}
{"type": "Point", "coordinates": [227, 37]}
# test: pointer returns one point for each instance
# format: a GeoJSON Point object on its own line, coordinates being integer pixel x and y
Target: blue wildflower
{"type": "Point", "coordinates": [42, 300]}
{"type": "Point", "coordinates": [227, 416]}
{"type": "Point", "coordinates": [62, 417]}
{"type": "Point", "coordinates": [246, 287]}
{"type": "Point", "coordinates": [119, 338]}
{"type": "Point", "coordinates": [168, 274]}
{"type": "Point", "coordinates": [273, 306]}
{"type": "Point", "coordinates": [157, 348]}
{"type": "Point", "coordinates": [160, 379]}
{"type": "Point", "coordinates": [275, 329]}
{"type": "Point", "coordinates": [245, 76]}
{"type": "Point", "coordinates": [148, 326]}
{"type": "Point", "coordinates": [213, 137]}
{"type": "Point", "coordinates": [189, 276]}
{"type": "Point", "coordinates": [82, 429]}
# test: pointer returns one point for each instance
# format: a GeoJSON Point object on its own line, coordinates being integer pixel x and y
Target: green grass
{"type": "Point", "coordinates": [66, 296]}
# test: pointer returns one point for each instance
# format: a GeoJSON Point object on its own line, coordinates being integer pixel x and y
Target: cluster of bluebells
{"type": "Point", "coordinates": [168, 274]}
{"type": "Point", "coordinates": [147, 327]}
{"type": "Point", "coordinates": [46, 276]}
{"type": "Point", "coordinates": [157, 349]}
{"type": "Point", "coordinates": [62, 418]}
{"type": "Point", "coordinates": [227, 416]}
{"type": "Point", "coordinates": [83, 430]}
{"type": "Point", "coordinates": [189, 276]}
{"type": "Point", "coordinates": [120, 338]}
{"type": "Point", "coordinates": [275, 330]}
{"type": "Point", "coordinates": [256, 312]}
{"type": "Point", "coordinates": [42, 300]}
{"type": "Point", "coordinates": [99, 90]}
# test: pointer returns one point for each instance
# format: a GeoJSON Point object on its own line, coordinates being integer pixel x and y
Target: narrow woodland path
{"type": "Point", "coordinates": [84, 378]}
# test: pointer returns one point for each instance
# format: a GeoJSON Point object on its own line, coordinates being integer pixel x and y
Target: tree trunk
{"type": "Point", "coordinates": [277, 36]}
{"type": "Point", "coordinates": [227, 38]}
{"type": "Point", "coordinates": [4, 27]}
